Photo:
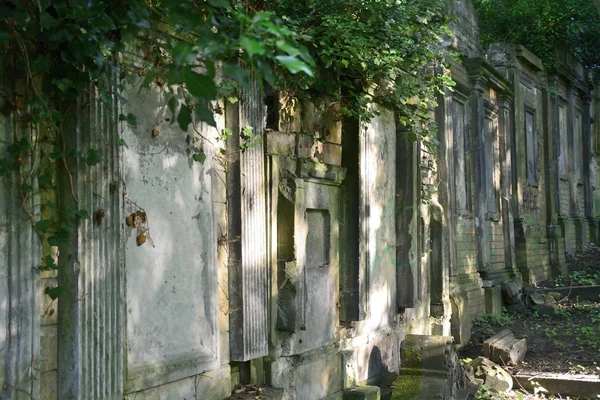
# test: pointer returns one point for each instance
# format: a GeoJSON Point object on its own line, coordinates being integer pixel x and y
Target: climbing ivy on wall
{"type": "Point", "coordinates": [349, 53]}
{"type": "Point", "coordinates": [56, 53]}
{"type": "Point", "coordinates": [542, 25]}
{"type": "Point", "coordinates": [383, 51]}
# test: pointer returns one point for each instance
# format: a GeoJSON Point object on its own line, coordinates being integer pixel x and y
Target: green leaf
{"type": "Point", "coordinates": [54, 292]}
{"type": "Point", "coordinates": [199, 85]}
{"type": "Point", "coordinates": [63, 84]}
{"type": "Point", "coordinates": [44, 225]}
{"type": "Point", "coordinates": [121, 142]}
{"type": "Point", "coordinates": [237, 73]}
{"type": "Point", "coordinates": [184, 118]}
{"type": "Point", "coordinates": [47, 21]}
{"type": "Point", "coordinates": [19, 147]}
{"type": "Point", "coordinates": [40, 64]}
{"type": "Point", "coordinates": [93, 157]}
{"type": "Point", "coordinates": [288, 47]}
{"type": "Point", "coordinates": [104, 49]}
{"type": "Point", "coordinates": [49, 264]}
{"type": "Point", "coordinates": [294, 65]}
{"type": "Point", "coordinates": [252, 47]}
{"type": "Point", "coordinates": [56, 153]}
{"type": "Point", "coordinates": [78, 214]}
{"type": "Point", "coordinates": [205, 114]}
{"type": "Point", "coordinates": [59, 239]}
{"type": "Point", "coordinates": [66, 227]}
{"type": "Point", "coordinates": [199, 157]}
{"type": "Point", "coordinates": [183, 53]}
{"type": "Point", "coordinates": [130, 118]}
{"type": "Point", "coordinates": [173, 104]}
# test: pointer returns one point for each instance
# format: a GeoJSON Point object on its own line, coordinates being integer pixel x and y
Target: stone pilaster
{"type": "Point", "coordinates": [247, 215]}
{"type": "Point", "coordinates": [90, 316]}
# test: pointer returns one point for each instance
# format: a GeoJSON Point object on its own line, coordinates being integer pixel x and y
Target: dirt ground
{"type": "Point", "coordinates": [567, 341]}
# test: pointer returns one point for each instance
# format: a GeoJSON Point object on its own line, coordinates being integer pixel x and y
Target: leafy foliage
{"type": "Point", "coordinates": [64, 54]}
{"type": "Point", "coordinates": [373, 51]}
{"type": "Point", "coordinates": [542, 25]}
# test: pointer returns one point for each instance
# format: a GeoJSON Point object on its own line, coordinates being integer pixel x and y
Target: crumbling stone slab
{"type": "Point", "coordinates": [493, 376]}
{"type": "Point", "coordinates": [511, 289]}
{"type": "Point", "coordinates": [581, 386]}
{"type": "Point", "coordinates": [541, 302]}
{"type": "Point", "coordinates": [590, 293]}
{"type": "Point", "coordinates": [504, 348]}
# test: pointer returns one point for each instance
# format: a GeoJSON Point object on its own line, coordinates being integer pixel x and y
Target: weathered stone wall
{"type": "Point", "coordinates": [177, 308]}
{"type": "Point", "coordinates": [303, 262]}
{"type": "Point", "coordinates": [548, 179]}
{"type": "Point", "coordinates": [465, 28]}
{"type": "Point", "coordinates": [327, 204]}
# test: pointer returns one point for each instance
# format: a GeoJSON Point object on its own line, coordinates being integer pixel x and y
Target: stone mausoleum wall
{"type": "Point", "coordinates": [314, 259]}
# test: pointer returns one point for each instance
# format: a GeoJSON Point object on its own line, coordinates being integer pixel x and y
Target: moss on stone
{"type": "Point", "coordinates": [408, 385]}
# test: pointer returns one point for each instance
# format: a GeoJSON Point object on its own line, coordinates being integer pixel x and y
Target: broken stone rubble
{"type": "Point", "coordinates": [519, 298]}
{"type": "Point", "coordinates": [491, 375]}
{"type": "Point", "coordinates": [504, 348]}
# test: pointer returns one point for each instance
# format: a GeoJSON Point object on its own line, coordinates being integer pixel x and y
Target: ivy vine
{"type": "Point", "coordinates": [347, 53]}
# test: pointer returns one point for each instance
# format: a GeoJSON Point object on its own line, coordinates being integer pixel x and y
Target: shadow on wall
{"type": "Point", "coordinates": [377, 367]}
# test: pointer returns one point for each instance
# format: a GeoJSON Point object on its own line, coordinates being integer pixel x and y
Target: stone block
{"type": "Point", "coordinates": [493, 299]}
{"type": "Point", "coordinates": [323, 121]}
{"type": "Point", "coordinates": [48, 348]}
{"type": "Point", "coordinates": [504, 348]}
{"type": "Point", "coordinates": [460, 322]}
{"type": "Point", "coordinates": [304, 145]}
{"type": "Point", "coordinates": [542, 302]}
{"type": "Point", "coordinates": [224, 348]}
{"type": "Point", "coordinates": [280, 143]}
{"type": "Point", "coordinates": [319, 379]}
{"type": "Point", "coordinates": [211, 385]}
{"type": "Point", "coordinates": [429, 353]}
{"type": "Point", "coordinates": [257, 370]}
{"type": "Point", "coordinates": [288, 300]}
{"type": "Point", "coordinates": [48, 382]}
{"type": "Point", "coordinates": [511, 289]}
{"type": "Point", "coordinates": [333, 133]}
{"type": "Point", "coordinates": [363, 393]}
{"type": "Point", "coordinates": [223, 315]}
{"type": "Point", "coordinates": [370, 363]}
{"type": "Point", "coordinates": [329, 153]}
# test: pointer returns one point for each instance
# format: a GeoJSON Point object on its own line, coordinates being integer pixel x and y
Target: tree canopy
{"type": "Point", "coordinates": [542, 26]}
